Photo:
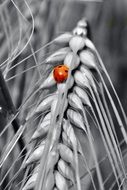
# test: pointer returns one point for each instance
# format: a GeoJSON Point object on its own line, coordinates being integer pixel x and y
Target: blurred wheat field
{"type": "Point", "coordinates": [71, 153]}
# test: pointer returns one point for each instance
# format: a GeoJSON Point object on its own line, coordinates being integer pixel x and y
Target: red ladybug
{"type": "Point", "coordinates": [60, 73]}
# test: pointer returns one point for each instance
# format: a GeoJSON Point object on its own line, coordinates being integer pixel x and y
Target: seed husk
{"type": "Point", "coordinates": [46, 103]}
{"type": "Point", "coordinates": [70, 132]}
{"type": "Point", "coordinates": [88, 59]}
{"type": "Point", "coordinates": [77, 43]}
{"type": "Point", "coordinates": [66, 154]}
{"type": "Point", "coordinates": [43, 128]}
{"type": "Point", "coordinates": [83, 96]}
{"type": "Point", "coordinates": [65, 170]}
{"type": "Point", "coordinates": [87, 74]}
{"type": "Point", "coordinates": [58, 56]}
{"type": "Point", "coordinates": [49, 82]}
{"type": "Point", "coordinates": [80, 80]}
{"type": "Point", "coordinates": [36, 155]}
{"type": "Point", "coordinates": [63, 38]}
{"type": "Point", "coordinates": [66, 140]}
{"type": "Point", "coordinates": [80, 31]}
{"type": "Point", "coordinates": [68, 60]}
{"type": "Point", "coordinates": [61, 182]}
{"type": "Point", "coordinates": [76, 119]}
{"type": "Point", "coordinates": [75, 102]}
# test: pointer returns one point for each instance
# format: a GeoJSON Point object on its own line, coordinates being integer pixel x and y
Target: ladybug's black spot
{"type": "Point", "coordinates": [66, 71]}
{"type": "Point", "coordinates": [59, 66]}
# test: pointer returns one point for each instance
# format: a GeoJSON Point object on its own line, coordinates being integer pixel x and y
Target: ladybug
{"type": "Point", "coordinates": [60, 73]}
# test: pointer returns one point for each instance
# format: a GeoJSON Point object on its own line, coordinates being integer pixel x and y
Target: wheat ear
{"type": "Point", "coordinates": [58, 151]}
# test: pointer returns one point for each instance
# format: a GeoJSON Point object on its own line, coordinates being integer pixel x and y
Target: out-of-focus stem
{"type": "Point", "coordinates": [11, 109]}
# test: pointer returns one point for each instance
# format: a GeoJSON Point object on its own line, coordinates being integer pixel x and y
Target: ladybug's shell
{"type": "Point", "coordinates": [60, 73]}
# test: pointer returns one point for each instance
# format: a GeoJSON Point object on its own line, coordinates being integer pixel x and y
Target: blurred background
{"type": "Point", "coordinates": [26, 26]}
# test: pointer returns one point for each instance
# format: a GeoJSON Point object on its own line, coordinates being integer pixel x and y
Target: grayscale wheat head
{"type": "Point", "coordinates": [57, 158]}
{"type": "Point", "coordinates": [68, 130]}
